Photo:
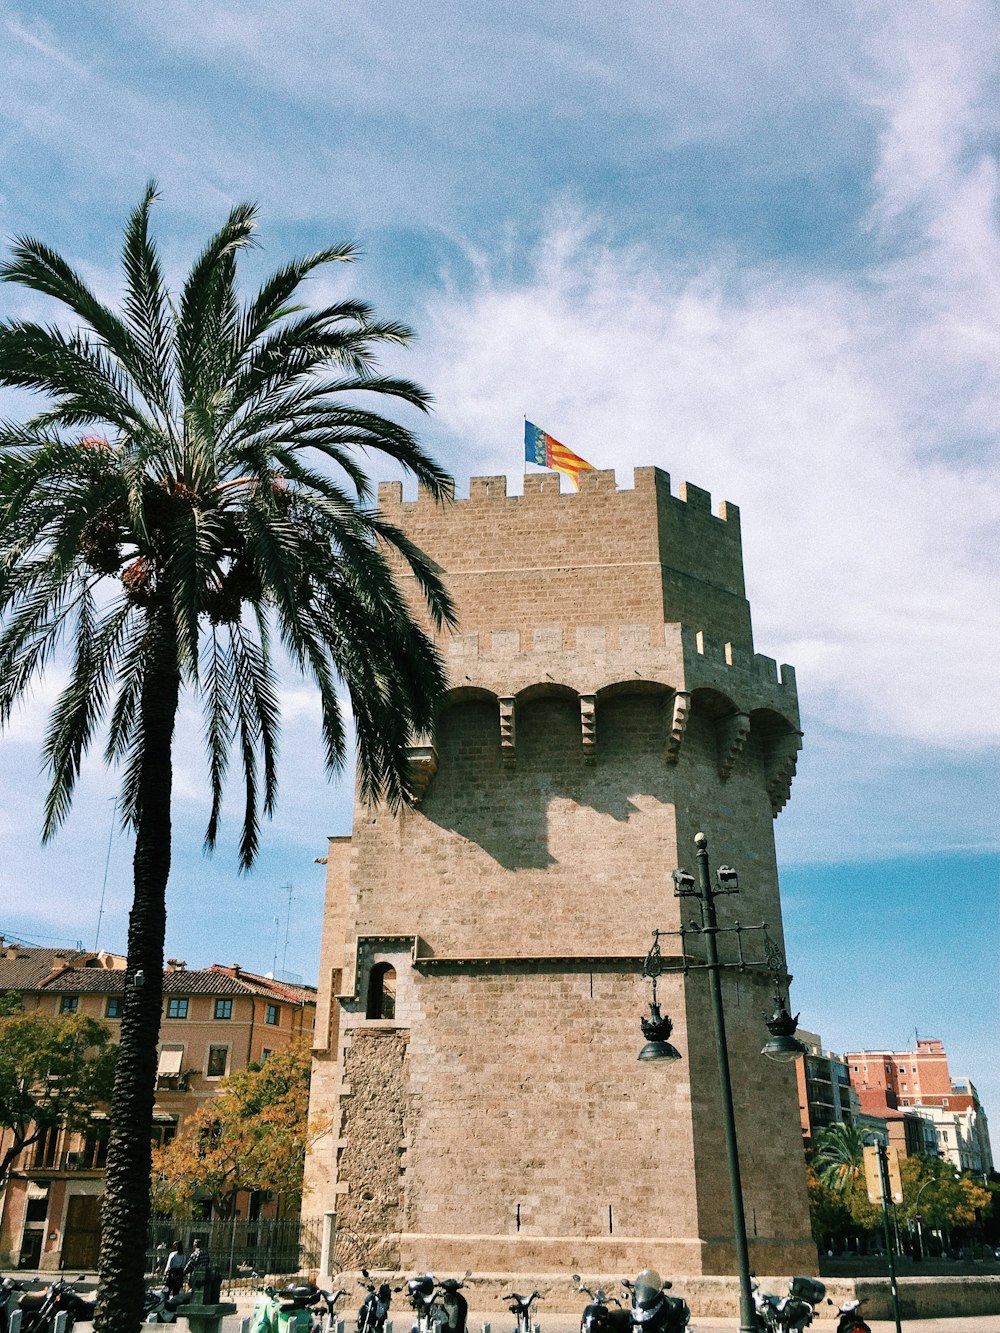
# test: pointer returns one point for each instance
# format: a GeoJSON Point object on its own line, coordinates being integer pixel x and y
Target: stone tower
{"type": "Point", "coordinates": [481, 978]}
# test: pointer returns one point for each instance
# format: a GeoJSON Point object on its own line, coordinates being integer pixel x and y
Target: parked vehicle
{"type": "Point", "coordinates": [791, 1313]}
{"type": "Point", "coordinates": [652, 1310]}
{"type": "Point", "coordinates": [598, 1316]}
{"type": "Point", "coordinates": [295, 1308]}
{"type": "Point", "coordinates": [438, 1307]}
{"type": "Point", "coordinates": [375, 1307]}
{"type": "Point", "coordinates": [161, 1305]}
{"type": "Point", "coordinates": [851, 1319]}
{"type": "Point", "coordinates": [39, 1309]}
{"type": "Point", "coordinates": [521, 1309]}
{"type": "Point", "coordinates": [10, 1290]}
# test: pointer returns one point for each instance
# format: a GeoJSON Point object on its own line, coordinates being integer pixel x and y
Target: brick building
{"type": "Point", "coordinates": [215, 1021]}
{"type": "Point", "coordinates": [481, 976]}
{"type": "Point", "coordinates": [918, 1084]}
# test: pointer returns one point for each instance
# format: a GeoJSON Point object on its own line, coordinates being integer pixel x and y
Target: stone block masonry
{"type": "Point", "coordinates": [606, 703]}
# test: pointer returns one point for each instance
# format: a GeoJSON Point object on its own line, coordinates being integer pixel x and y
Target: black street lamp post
{"type": "Point", "coordinates": [781, 1044]}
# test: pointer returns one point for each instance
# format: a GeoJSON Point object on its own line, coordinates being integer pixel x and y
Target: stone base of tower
{"type": "Point", "coordinates": [551, 1260]}
{"type": "Point", "coordinates": [533, 1257]}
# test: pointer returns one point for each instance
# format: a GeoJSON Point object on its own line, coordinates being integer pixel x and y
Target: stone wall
{"type": "Point", "coordinates": [606, 704]}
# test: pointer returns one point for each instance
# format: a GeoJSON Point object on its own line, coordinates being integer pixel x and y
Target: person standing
{"type": "Point", "coordinates": [173, 1274]}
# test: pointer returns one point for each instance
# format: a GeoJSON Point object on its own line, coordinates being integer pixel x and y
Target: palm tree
{"type": "Point", "coordinates": [187, 509]}
{"type": "Point", "coordinates": [839, 1157]}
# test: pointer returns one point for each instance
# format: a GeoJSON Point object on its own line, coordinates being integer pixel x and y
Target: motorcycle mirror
{"type": "Point", "coordinates": [666, 1286]}
{"type": "Point", "coordinates": [468, 1272]}
{"type": "Point", "coordinates": [365, 1272]}
{"type": "Point", "coordinates": [575, 1277]}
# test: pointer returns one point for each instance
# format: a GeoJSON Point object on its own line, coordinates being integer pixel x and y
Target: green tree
{"type": "Point", "coordinates": [188, 504]}
{"type": "Point", "coordinates": [944, 1199]}
{"type": "Point", "coordinates": [839, 1162]}
{"type": "Point", "coordinates": [252, 1136]}
{"type": "Point", "coordinates": [54, 1072]}
{"type": "Point", "coordinates": [829, 1215]}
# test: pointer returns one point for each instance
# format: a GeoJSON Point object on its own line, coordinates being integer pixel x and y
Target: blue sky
{"type": "Point", "coordinates": [755, 243]}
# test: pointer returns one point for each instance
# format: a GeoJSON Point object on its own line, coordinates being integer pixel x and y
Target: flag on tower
{"type": "Point", "coordinates": [546, 451]}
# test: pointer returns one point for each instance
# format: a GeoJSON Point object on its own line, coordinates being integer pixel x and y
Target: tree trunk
{"type": "Point", "coordinates": [125, 1215]}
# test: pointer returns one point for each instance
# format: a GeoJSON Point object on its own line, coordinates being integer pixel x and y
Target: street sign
{"type": "Point", "coordinates": [873, 1174]}
{"type": "Point", "coordinates": [895, 1179]}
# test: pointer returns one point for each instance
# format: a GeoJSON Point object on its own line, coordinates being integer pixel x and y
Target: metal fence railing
{"type": "Point", "coordinates": [242, 1251]}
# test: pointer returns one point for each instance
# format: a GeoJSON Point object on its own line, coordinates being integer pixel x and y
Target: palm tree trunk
{"type": "Point", "coordinates": [125, 1215]}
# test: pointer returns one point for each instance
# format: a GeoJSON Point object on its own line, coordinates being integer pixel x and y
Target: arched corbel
{"type": "Point", "coordinates": [508, 733]}
{"type": "Point", "coordinates": [780, 763]}
{"type": "Point", "coordinates": [588, 727]}
{"type": "Point", "coordinates": [423, 763]}
{"type": "Point", "coordinates": [731, 735]}
{"type": "Point", "coordinates": [679, 711]}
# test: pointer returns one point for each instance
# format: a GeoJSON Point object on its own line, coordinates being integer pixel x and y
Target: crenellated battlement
{"type": "Point", "coordinates": [547, 486]}
{"type": "Point", "coordinates": [512, 559]}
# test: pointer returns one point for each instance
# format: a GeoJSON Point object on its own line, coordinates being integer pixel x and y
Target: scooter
{"type": "Point", "coordinates": [598, 1317]}
{"type": "Point", "coordinates": [60, 1297]}
{"type": "Point", "coordinates": [652, 1309]}
{"type": "Point", "coordinates": [791, 1313]}
{"type": "Point", "coordinates": [851, 1319]}
{"type": "Point", "coordinates": [375, 1307]}
{"type": "Point", "coordinates": [292, 1308]}
{"type": "Point", "coordinates": [521, 1309]}
{"type": "Point", "coordinates": [438, 1306]}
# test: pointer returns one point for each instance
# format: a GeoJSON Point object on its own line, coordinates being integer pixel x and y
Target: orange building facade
{"type": "Point", "coordinates": [215, 1021]}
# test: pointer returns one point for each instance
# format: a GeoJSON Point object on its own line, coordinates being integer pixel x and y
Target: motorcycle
{"type": "Point", "coordinates": [375, 1307]}
{"type": "Point", "coordinates": [38, 1312]}
{"type": "Point", "coordinates": [851, 1319]}
{"type": "Point", "coordinates": [438, 1306]}
{"type": "Point", "coordinates": [598, 1317]}
{"type": "Point", "coordinates": [791, 1313]}
{"type": "Point", "coordinates": [160, 1305]}
{"type": "Point", "coordinates": [652, 1309]}
{"type": "Point", "coordinates": [521, 1309]}
{"type": "Point", "coordinates": [9, 1295]}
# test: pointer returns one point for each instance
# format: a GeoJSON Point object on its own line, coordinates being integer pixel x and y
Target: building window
{"type": "Point", "coordinates": [223, 1009]}
{"type": "Point", "coordinates": [69, 1004]}
{"type": "Point", "coordinates": [113, 1008]}
{"type": "Point", "coordinates": [381, 992]}
{"type": "Point", "coordinates": [218, 1059]}
{"type": "Point", "coordinates": [177, 1008]}
{"type": "Point", "coordinates": [171, 1057]}
{"type": "Point", "coordinates": [272, 1014]}
{"type": "Point", "coordinates": [265, 1053]}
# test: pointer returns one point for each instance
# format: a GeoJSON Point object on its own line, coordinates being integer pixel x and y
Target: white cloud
{"type": "Point", "coordinates": [868, 520]}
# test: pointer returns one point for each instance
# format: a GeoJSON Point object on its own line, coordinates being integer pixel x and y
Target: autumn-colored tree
{"type": "Point", "coordinates": [54, 1072]}
{"type": "Point", "coordinates": [252, 1136]}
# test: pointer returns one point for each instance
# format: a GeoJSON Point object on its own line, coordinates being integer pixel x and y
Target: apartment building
{"type": "Point", "coordinates": [215, 1021]}
{"type": "Point", "coordinates": [825, 1093]}
{"type": "Point", "coordinates": [918, 1084]}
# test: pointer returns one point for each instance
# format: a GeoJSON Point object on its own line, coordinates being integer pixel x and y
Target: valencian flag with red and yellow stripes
{"type": "Point", "coordinates": [546, 451]}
